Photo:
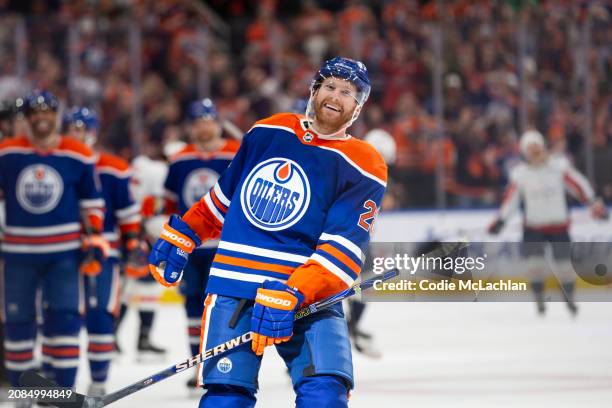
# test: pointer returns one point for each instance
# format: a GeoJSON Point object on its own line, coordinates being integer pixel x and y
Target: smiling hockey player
{"type": "Point", "coordinates": [49, 185]}
{"type": "Point", "coordinates": [295, 208]}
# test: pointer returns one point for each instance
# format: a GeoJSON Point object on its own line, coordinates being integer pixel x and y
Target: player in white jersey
{"type": "Point", "coordinates": [147, 188]}
{"type": "Point", "coordinates": [540, 184]}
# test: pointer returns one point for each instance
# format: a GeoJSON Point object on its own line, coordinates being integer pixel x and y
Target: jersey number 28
{"type": "Point", "coordinates": [366, 218]}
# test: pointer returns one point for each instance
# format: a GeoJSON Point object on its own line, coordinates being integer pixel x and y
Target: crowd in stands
{"type": "Point", "coordinates": [271, 51]}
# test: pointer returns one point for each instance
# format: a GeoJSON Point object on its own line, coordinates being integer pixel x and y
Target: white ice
{"type": "Point", "coordinates": [435, 355]}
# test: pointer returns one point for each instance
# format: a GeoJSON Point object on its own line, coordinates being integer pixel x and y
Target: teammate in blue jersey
{"type": "Point", "coordinates": [7, 112]}
{"type": "Point", "coordinates": [50, 187]}
{"type": "Point", "coordinates": [191, 174]}
{"type": "Point", "coordinates": [293, 212]}
{"type": "Point", "coordinates": [121, 228]}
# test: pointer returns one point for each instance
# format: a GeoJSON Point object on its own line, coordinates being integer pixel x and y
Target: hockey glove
{"type": "Point", "coordinates": [496, 227]}
{"type": "Point", "coordinates": [136, 258]}
{"type": "Point", "coordinates": [272, 320]}
{"type": "Point", "coordinates": [96, 250]}
{"type": "Point", "coordinates": [170, 253]}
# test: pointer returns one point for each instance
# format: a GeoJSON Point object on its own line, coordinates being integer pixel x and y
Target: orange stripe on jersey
{"type": "Point", "coordinates": [342, 257]}
{"type": "Point", "coordinates": [207, 302]}
{"type": "Point", "coordinates": [61, 352]}
{"type": "Point", "coordinates": [247, 263]}
{"type": "Point", "coordinates": [115, 162]}
{"type": "Point", "coordinates": [101, 348]}
{"type": "Point", "coordinates": [215, 200]}
{"type": "Point", "coordinates": [315, 282]}
{"type": "Point", "coordinates": [73, 145]}
{"type": "Point", "coordinates": [42, 240]}
{"type": "Point", "coordinates": [18, 355]}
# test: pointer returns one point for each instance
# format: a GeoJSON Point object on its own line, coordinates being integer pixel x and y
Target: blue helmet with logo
{"type": "Point", "coordinates": [81, 117]}
{"type": "Point", "coordinates": [43, 100]}
{"type": "Point", "coordinates": [346, 69]}
{"type": "Point", "coordinates": [202, 109]}
{"type": "Point", "coordinates": [349, 70]}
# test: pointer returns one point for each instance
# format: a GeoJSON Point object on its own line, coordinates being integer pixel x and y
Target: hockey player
{"type": "Point", "coordinates": [7, 111]}
{"type": "Point", "coordinates": [121, 225]}
{"type": "Point", "coordinates": [191, 174]}
{"type": "Point", "coordinates": [148, 189]}
{"type": "Point", "coordinates": [539, 184]}
{"type": "Point", "coordinates": [293, 212]}
{"type": "Point", "coordinates": [49, 184]}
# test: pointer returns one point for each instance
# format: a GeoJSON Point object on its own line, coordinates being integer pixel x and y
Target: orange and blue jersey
{"type": "Point", "coordinates": [46, 194]}
{"type": "Point", "coordinates": [292, 207]}
{"type": "Point", "coordinates": [193, 172]}
{"type": "Point", "coordinates": [122, 215]}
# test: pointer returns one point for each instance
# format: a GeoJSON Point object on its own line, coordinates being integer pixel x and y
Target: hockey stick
{"type": "Point", "coordinates": [233, 130]}
{"type": "Point", "coordinates": [32, 379]}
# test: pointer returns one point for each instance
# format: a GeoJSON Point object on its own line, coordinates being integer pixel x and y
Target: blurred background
{"type": "Point", "coordinates": [454, 82]}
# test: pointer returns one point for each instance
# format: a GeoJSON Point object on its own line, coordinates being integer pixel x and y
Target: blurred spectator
{"type": "Point", "coordinates": [276, 46]}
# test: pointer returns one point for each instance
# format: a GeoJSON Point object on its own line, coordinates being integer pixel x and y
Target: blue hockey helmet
{"type": "Point", "coordinates": [349, 70]}
{"type": "Point", "coordinates": [43, 100]}
{"type": "Point", "coordinates": [346, 69]}
{"type": "Point", "coordinates": [202, 109]}
{"type": "Point", "coordinates": [81, 117]}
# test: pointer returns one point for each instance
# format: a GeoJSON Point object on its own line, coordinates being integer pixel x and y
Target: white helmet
{"type": "Point", "coordinates": [531, 137]}
{"type": "Point", "coordinates": [384, 143]}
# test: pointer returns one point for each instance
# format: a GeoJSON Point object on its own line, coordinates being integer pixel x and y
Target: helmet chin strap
{"type": "Point", "coordinates": [338, 134]}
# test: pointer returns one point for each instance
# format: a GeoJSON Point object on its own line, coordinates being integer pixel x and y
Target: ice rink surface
{"type": "Point", "coordinates": [435, 355]}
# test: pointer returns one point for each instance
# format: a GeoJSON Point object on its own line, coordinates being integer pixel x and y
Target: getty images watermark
{"type": "Point", "coordinates": [502, 271]}
{"type": "Point", "coordinates": [428, 273]}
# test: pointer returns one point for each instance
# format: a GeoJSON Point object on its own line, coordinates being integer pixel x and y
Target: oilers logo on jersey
{"type": "Point", "coordinates": [39, 188]}
{"type": "Point", "coordinates": [197, 184]}
{"type": "Point", "coordinates": [275, 194]}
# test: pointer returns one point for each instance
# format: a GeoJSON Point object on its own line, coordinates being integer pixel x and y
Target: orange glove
{"type": "Point", "coordinates": [96, 250]}
{"type": "Point", "coordinates": [136, 265]}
